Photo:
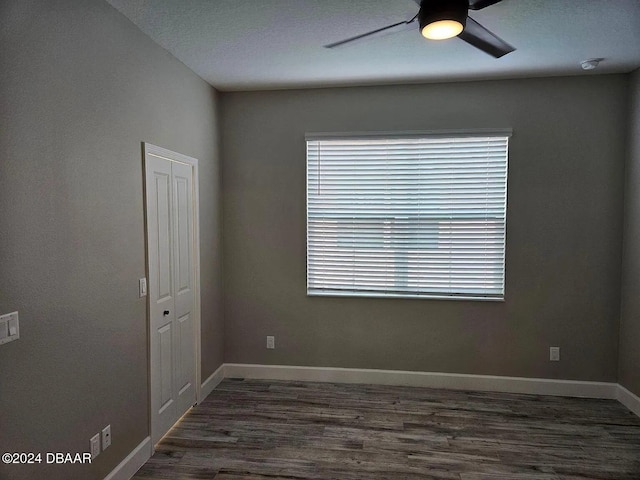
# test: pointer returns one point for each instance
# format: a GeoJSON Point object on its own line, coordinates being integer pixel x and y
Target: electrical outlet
{"type": "Point", "coordinates": [95, 445]}
{"type": "Point", "coordinates": [554, 354]}
{"type": "Point", "coordinates": [271, 341]}
{"type": "Point", "coordinates": [106, 437]}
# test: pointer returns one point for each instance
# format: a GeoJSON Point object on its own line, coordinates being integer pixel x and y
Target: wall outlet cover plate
{"type": "Point", "coordinates": [9, 327]}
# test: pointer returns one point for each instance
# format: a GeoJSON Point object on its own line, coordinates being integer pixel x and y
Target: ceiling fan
{"type": "Point", "coordinates": [441, 19]}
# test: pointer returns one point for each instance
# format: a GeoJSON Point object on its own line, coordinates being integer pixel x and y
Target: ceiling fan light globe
{"type": "Point", "coordinates": [440, 19]}
{"type": "Point", "coordinates": [442, 29]}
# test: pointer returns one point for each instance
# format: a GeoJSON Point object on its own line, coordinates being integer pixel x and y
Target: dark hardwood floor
{"type": "Point", "coordinates": [259, 430]}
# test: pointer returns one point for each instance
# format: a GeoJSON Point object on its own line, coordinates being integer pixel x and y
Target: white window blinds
{"type": "Point", "coordinates": [407, 216]}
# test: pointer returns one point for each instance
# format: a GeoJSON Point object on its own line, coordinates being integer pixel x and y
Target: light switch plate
{"type": "Point", "coordinates": [142, 287]}
{"type": "Point", "coordinates": [9, 328]}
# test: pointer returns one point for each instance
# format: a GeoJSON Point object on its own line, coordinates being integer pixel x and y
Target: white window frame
{"type": "Point", "coordinates": [442, 134]}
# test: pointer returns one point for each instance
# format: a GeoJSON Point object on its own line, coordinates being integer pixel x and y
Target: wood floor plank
{"type": "Point", "coordinates": [274, 430]}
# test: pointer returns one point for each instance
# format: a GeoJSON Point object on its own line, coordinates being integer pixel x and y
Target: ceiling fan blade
{"type": "Point", "coordinates": [478, 36]}
{"type": "Point", "coordinates": [480, 4]}
{"type": "Point", "coordinates": [395, 28]}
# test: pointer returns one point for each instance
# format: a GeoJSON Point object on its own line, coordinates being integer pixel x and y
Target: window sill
{"type": "Point", "coordinates": [407, 296]}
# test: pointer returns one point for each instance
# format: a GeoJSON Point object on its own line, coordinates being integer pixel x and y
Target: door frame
{"type": "Point", "coordinates": [149, 149]}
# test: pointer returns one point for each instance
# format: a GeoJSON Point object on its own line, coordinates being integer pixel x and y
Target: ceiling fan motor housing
{"type": "Point", "coordinates": [436, 10]}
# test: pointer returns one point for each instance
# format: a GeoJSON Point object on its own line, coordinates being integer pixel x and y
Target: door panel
{"type": "Point", "coordinates": [183, 212]}
{"type": "Point", "coordinates": [183, 238]}
{"type": "Point", "coordinates": [163, 209]}
{"type": "Point", "coordinates": [184, 364]}
{"type": "Point", "coordinates": [183, 257]}
{"type": "Point", "coordinates": [159, 194]}
{"type": "Point", "coordinates": [166, 367]}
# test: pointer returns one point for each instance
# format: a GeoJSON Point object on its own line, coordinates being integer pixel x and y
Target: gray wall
{"type": "Point", "coordinates": [629, 375]}
{"type": "Point", "coordinates": [564, 233]}
{"type": "Point", "coordinates": [80, 88]}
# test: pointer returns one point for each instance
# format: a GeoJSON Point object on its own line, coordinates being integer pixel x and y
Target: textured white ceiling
{"type": "Point", "coordinates": [269, 44]}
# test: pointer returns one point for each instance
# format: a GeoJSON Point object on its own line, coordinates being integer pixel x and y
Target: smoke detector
{"type": "Point", "coordinates": [590, 64]}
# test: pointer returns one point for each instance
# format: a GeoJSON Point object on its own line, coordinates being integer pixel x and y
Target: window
{"type": "Point", "coordinates": [407, 216]}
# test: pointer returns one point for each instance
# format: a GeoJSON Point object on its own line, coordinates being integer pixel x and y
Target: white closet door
{"type": "Point", "coordinates": [170, 257]}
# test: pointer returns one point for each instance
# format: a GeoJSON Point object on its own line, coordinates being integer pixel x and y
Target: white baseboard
{"type": "Point", "coordinates": [128, 467]}
{"type": "Point", "coordinates": [454, 381]}
{"type": "Point", "coordinates": [629, 400]}
{"type": "Point", "coordinates": [211, 382]}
